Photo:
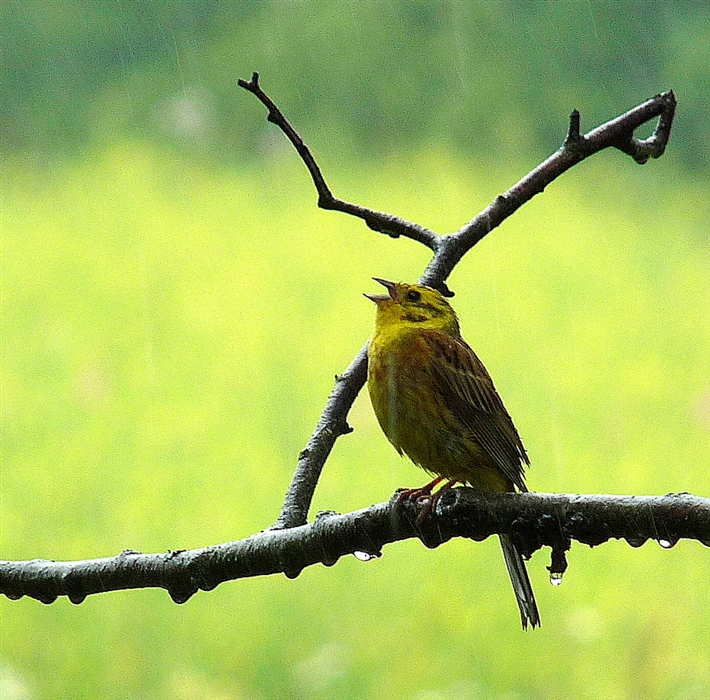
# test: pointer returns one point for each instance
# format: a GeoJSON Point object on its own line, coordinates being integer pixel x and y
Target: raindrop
{"type": "Point", "coordinates": [666, 544]}
{"type": "Point", "coordinates": [555, 578]}
{"type": "Point", "coordinates": [366, 556]}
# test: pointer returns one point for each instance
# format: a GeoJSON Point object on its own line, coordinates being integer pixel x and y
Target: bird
{"type": "Point", "coordinates": [436, 402]}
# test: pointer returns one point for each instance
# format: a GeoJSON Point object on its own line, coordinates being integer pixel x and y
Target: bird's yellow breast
{"type": "Point", "coordinates": [411, 410]}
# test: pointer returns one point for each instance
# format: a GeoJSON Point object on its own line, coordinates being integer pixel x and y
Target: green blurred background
{"type": "Point", "coordinates": [174, 308]}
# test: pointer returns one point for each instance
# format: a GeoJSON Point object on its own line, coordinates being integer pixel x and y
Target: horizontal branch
{"type": "Point", "coordinates": [533, 520]}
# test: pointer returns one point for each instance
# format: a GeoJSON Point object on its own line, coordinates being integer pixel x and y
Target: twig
{"type": "Point", "coordinates": [617, 133]}
{"type": "Point", "coordinates": [378, 221]}
{"type": "Point", "coordinates": [534, 520]}
{"type": "Point", "coordinates": [448, 251]}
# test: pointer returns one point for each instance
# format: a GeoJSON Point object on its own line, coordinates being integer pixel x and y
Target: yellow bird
{"type": "Point", "coordinates": [436, 403]}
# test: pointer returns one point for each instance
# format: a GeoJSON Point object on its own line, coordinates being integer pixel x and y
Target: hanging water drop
{"type": "Point", "coordinates": [666, 544]}
{"type": "Point", "coordinates": [366, 556]}
{"type": "Point", "coordinates": [555, 578]}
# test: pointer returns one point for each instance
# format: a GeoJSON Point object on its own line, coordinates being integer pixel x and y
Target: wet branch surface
{"type": "Point", "coordinates": [534, 520]}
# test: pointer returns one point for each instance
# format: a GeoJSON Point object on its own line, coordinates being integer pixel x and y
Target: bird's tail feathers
{"type": "Point", "coordinates": [521, 583]}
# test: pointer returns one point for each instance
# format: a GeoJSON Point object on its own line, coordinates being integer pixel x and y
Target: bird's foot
{"type": "Point", "coordinates": [413, 495]}
{"type": "Point", "coordinates": [423, 497]}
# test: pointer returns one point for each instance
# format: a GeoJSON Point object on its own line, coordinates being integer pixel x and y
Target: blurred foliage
{"type": "Point", "coordinates": [169, 336]}
{"type": "Point", "coordinates": [174, 307]}
{"type": "Point", "coordinates": [383, 75]}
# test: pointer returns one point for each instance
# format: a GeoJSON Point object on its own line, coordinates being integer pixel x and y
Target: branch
{"type": "Point", "coordinates": [376, 220]}
{"type": "Point", "coordinates": [533, 520]}
{"type": "Point", "coordinates": [331, 425]}
{"type": "Point", "coordinates": [617, 133]}
{"type": "Point", "coordinates": [448, 251]}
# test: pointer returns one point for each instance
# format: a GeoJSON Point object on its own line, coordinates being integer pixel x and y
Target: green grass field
{"type": "Point", "coordinates": [169, 337]}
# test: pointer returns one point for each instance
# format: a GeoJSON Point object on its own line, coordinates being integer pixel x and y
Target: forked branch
{"type": "Point", "coordinates": [448, 251]}
{"type": "Point", "coordinates": [531, 519]}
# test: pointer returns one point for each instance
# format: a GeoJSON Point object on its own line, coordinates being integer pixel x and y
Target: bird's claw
{"type": "Point", "coordinates": [426, 502]}
{"type": "Point", "coordinates": [422, 498]}
{"type": "Point", "coordinates": [413, 495]}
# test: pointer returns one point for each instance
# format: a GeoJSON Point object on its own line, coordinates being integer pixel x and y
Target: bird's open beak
{"type": "Point", "coordinates": [391, 288]}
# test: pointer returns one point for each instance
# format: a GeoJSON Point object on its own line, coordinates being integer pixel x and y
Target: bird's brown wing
{"type": "Point", "coordinates": [468, 391]}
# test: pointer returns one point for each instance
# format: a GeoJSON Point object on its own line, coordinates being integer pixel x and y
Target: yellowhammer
{"type": "Point", "coordinates": [436, 403]}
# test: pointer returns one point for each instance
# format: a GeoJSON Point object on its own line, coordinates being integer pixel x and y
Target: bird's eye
{"type": "Point", "coordinates": [413, 295]}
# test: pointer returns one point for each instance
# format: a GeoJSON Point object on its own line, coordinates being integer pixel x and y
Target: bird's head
{"type": "Point", "coordinates": [413, 306]}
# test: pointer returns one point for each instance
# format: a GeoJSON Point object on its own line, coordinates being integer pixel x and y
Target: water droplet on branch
{"type": "Point", "coordinates": [555, 578]}
{"type": "Point", "coordinates": [367, 556]}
